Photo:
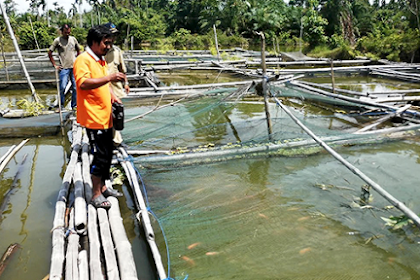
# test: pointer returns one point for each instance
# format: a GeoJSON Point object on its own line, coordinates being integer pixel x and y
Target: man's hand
{"type": "Point", "coordinates": [117, 77]}
{"type": "Point", "coordinates": [58, 67]}
{"type": "Point", "coordinates": [127, 88]}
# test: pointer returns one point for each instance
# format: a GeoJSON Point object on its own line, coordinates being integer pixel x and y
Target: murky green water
{"type": "Point", "coordinates": [255, 218]}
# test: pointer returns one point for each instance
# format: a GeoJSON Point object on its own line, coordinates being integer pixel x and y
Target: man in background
{"type": "Point", "coordinates": [68, 48]}
{"type": "Point", "coordinates": [115, 60]}
{"type": "Point", "coordinates": [94, 109]}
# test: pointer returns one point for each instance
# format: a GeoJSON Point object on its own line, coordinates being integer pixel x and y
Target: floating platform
{"type": "Point", "coordinates": [42, 125]}
{"type": "Point", "coordinates": [90, 243]}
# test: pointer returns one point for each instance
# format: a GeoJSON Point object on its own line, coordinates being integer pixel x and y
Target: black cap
{"type": "Point", "coordinates": [112, 27]}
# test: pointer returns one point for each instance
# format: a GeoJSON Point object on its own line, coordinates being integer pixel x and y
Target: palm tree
{"type": "Point", "coordinates": [80, 2]}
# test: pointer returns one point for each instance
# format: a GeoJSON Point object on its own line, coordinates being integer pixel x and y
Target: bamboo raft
{"type": "Point", "coordinates": [90, 243]}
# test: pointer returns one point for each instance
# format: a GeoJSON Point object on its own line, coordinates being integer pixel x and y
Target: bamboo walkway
{"type": "Point", "coordinates": [90, 243]}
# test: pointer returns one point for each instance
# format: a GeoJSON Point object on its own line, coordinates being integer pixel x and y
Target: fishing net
{"type": "Point", "coordinates": [227, 123]}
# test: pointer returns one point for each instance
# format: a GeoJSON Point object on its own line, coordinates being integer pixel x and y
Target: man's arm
{"type": "Point", "coordinates": [58, 67]}
{"type": "Point", "coordinates": [114, 98]}
{"type": "Point", "coordinates": [92, 83]}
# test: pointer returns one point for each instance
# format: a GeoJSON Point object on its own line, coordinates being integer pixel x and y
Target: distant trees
{"type": "Point", "coordinates": [381, 29]}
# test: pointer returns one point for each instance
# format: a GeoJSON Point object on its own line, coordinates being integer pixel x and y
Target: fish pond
{"type": "Point", "coordinates": [298, 214]}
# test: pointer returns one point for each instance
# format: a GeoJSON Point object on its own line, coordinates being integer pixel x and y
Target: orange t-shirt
{"type": "Point", "coordinates": [94, 105]}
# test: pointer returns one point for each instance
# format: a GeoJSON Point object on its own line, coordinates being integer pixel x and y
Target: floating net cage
{"type": "Point", "coordinates": [226, 124]}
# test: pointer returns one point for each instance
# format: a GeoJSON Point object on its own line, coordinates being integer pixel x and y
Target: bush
{"type": "Point", "coordinates": [44, 35]}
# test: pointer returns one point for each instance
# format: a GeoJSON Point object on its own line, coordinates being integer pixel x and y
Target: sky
{"type": "Point", "coordinates": [22, 6]}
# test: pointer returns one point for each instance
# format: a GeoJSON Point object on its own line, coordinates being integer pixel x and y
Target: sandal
{"type": "Point", "coordinates": [111, 192]}
{"type": "Point", "coordinates": [101, 202]}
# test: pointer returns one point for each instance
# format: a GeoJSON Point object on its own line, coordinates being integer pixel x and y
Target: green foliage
{"type": "Point", "coordinates": [381, 30]}
{"type": "Point", "coordinates": [397, 222]}
{"type": "Point", "coordinates": [44, 35]}
{"type": "Point", "coordinates": [314, 25]}
{"type": "Point", "coordinates": [80, 34]}
{"type": "Point", "coordinates": [33, 108]}
{"type": "Point", "coordinates": [396, 46]}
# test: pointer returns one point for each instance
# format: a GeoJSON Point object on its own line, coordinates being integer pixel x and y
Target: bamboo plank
{"type": "Point", "coordinates": [108, 246]}
{"type": "Point", "coordinates": [58, 230]}
{"type": "Point", "coordinates": [80, 218]}
{"type": "Point", "coordinates": [83, 265]}
{"type": "Point", "coordinates": [383, 119]}
{"type": "Point", "coordinates": [94, 245]}
{"type": "Point", "coordinates": [72, 271]}
{"type": "Point", "coordinates": [124, 253]}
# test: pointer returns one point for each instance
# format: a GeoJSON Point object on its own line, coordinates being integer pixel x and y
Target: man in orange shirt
{"type": "Point", "coordinates": [94, 108]}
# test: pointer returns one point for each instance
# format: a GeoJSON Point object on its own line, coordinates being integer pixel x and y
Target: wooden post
{"type": "Point", "coordinates": [132, 46]}
{"type": "Point", "coordinates": [57, 81]}
{"type": "Point", "coordinates": [332, 76]}
{"type": "Point", "coordinates": [15, 43]}
{"type": "Point", "coordinates": [264, 85]}
{"type": "Point", "coordinates": [216, 43]}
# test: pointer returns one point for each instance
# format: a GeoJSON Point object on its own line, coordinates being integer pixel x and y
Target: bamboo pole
{"type": "Point", "coordinates": [58, 230]}
{"type": "Point", "coordinates": [59, 101]}
{"type": "Point", "coordinates": [122, 244]}
{"type": "Point", "coordinates": [332, 76]}
{"type": "Point", "coordinates": [72, 271]}
{"type": "Point", "coordinates": [94, 245]}
{"type": "Point", "coordinates": [83, 265]}
{"type": "Point", "coordinates": [87, 179]}
{"type": "Point", "coordinates": [334, 89]}
{"type": "Point", "coordinates": [33, 32]}
{"type": "Point", "coordinates": [6, 197]}
{"type": "Point", "coordinates": [108, 246]}
{"type": "Point", "coordinates": [7, 255]}
{"type": "Point", "coordinates": [11, 155]}
{"type": "Point", "coordinates": [198, 86]}
{"type": "Point", "coordinates": [381, 120]}
{"type": "Point", "coordinates": [264, 85]}
{"type": "Point", "coordinates": [80, 218]}
{"type": "Point", "coordinates": [7, 153]}
{"type": "Point", "coordinates": [144, 214]}
{"type": "Point", "coordinates": [354, 100]}
{"type": "Point", "coordinates": [408, 212]}
{"type": "Point", "coordinates": [216, 43]}
{"type": "Point", "coordinates": [22, 63]}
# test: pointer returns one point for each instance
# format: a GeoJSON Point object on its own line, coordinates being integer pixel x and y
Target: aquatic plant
{"type": "Point", "coordinates": [33, 108]}
{"type": "Point", "coordinates": [397, 222]}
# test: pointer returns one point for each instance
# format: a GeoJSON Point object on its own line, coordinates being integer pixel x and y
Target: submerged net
{"type": "Point", "coordinates": [223, 124]}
